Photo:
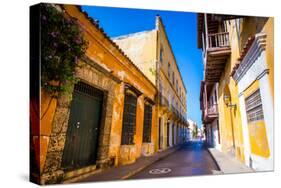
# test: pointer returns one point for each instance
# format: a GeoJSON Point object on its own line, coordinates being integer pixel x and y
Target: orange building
{"type": "Point", "coordinates": [109, 119]}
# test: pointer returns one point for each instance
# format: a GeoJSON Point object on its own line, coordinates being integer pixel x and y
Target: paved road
{"type": "Point", "coordinates": [191, 159]}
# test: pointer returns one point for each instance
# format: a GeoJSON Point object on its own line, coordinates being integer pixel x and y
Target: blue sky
{"type": "Point", "coordinates": [181, 30]}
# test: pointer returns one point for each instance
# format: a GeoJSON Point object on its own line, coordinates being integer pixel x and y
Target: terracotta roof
{"type": "Point", "coordinates": [96, 24]}
{"type": "Point", "coordinates": [243, 53]}
{"type": "Point", "coordinates": [246, 47]}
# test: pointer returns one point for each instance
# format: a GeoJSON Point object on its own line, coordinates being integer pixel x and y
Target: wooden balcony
{"type": "Point", "coordinates": [208, 93]}
{"type": "Point", "coordinates": [215, 52]}
{"type": "Point", "coordinates": [211, 113]}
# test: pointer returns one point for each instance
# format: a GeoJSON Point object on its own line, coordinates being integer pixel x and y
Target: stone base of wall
{"type": "Point", "coordinates": [128, 154]}
{"type": "Point", "coordinates": [105, 163]}
{"type": "Point", "coordinates": [79, 172]}
{"type": "Point", "coordinates": [52, 177]}
{"type": "Point", "coordinates": [147, 149]}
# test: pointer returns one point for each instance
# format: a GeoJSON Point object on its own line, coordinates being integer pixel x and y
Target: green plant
{"type": "Point", "coordinates": [152, 70]}
{"type": "Point", "coordinates": [62, 44]}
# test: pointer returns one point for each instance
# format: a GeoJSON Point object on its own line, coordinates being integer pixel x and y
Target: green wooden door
{"type": "Point", "coordinates": [83, 127]}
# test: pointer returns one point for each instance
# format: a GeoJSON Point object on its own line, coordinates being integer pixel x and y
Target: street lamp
{"type": "Point", "coordinates": [226, 99]}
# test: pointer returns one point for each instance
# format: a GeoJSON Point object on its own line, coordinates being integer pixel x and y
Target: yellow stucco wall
{"type": "Point", "coordinates": [269, 30]}
{"type": "Point", "coordinates": [252, 25]}
{"type": "Point", "coordinates": [230, 118]}
{"type": "Point", "coordinates": [257, 130]}
{"type": "Point", "coordinates": [141, 49]}
{"type": "Point", "coordinates": [168, 57]}
{"type": "Point", "coordinates": [168, 88]}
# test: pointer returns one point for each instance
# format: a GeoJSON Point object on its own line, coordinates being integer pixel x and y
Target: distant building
{"type": "Point", "coordinates": [192, 127]}
{"type": "Point", "coordinates": [152, 53]}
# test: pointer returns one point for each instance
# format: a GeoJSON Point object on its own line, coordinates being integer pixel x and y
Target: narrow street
{"type": "Point", "coordinates": [191, 159]}
{"type": "Point", "coordinates": [157, 99]}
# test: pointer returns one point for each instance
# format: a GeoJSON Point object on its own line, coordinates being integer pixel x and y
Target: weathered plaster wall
{"type": "Point", "coordinates": [169, 87]}
{"type": "Point", "coordinates": [47, 111]}
{"type": "Point", "coordinates": [144, 49]}
{"type": "Point", "coordinates": [269, 30]}
{"type": "Point", "coordinates": [103, 51]}
{"type": "Point", "coordinates": [232, 120]}
{"type": "Point", "coordinates": [259, 134]}
{"type": "Point", "coordinates": [141, 49]}
{"type": "Point", "coordinates": [106, 68]}
{"type": "Point", "coordinates": [116, 125]}
{"type": "Point", "coordinates": [229, 118]}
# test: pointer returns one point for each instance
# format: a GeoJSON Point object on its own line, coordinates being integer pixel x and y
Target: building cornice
{"type": "Point", "coordinates": [125, 61]}
{"type": "Point", "coordinates": [257, 47]}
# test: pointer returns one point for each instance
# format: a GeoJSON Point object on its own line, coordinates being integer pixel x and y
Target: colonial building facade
{"type": "Point", "coordinates": [114, 114]}
{"type": "Point", "coordinates": [237, 93]}
{"type": "Point", "coordinates": [152, 53]}
{"type": "Point", "coordinates": [109, 119]}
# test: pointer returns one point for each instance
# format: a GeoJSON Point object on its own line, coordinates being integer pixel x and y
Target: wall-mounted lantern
{"type": "Point", "coordinates": [227, 101]}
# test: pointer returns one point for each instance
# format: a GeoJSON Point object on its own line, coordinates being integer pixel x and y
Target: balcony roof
{"type": "Point", "coordinates": [212, 27]}
{"type": "Point", "coordinates": [213, 21]}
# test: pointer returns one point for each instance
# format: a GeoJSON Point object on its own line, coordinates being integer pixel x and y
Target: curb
{"type": "Point", "coordinates": [215, 161]}
{"type": "Point", "coordinates": [248, 170]}
{"type": "Point", "coordinates": [147, 165]}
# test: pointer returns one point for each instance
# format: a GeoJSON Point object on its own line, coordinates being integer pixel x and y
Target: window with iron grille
{"type": "Point", "coordinates": [161, 54]}
{"type": "Point", "coordinates": [147, 123]}
{"type": "Point", "coordinates": [254, 107]}
{"type": "Point", "coordinates": [177, 85]}
{"type": "Point", "coordinates": [173, 78]}
{"type": "Point", "coordinates": [129, 119]}
{"type": "Point", "coordinates": [169, 70]}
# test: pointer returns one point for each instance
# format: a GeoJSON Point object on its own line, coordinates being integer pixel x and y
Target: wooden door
{"type": "Point", "coordinates": [83, 127]}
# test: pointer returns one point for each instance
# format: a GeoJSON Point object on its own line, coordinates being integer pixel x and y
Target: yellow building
{"type": "Point", "coordinates": [237, 94]}
{"type": "Point", "coordinates": [152, 53]}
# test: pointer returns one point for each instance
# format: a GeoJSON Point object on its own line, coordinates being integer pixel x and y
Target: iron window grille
{"type": "Point", "coordinates": [147, 123]}
{"type": "Point", "coordinates": [161, 55]}
{"type": "Point", "coordinates": [88, 90]}
{"type": "Point", "coordinates": [129, 119]}
{"type": "Point", "coordinates": [254, 107]}
{"type": "Point", "coordinates": [177, 85]}
{"type": "Point", "coordinates": [169, 70]}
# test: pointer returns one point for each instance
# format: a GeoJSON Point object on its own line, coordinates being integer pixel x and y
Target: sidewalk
{"type": "Point", "coordinates": [228, 164]}
{"type": "Point", "coordinates": [123, 172]}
